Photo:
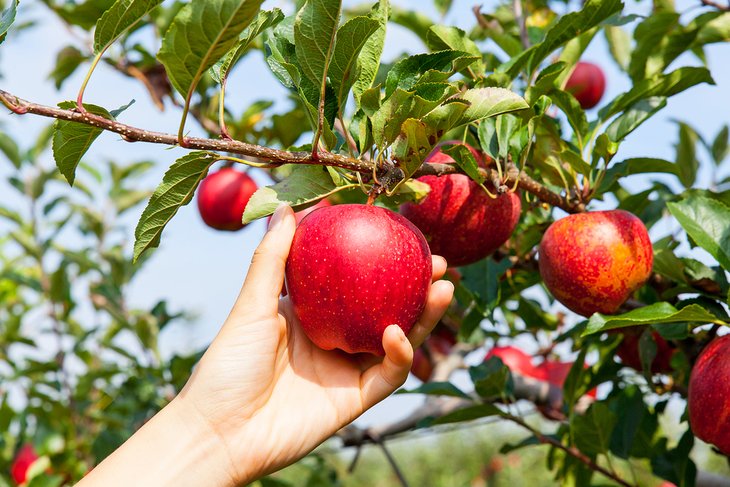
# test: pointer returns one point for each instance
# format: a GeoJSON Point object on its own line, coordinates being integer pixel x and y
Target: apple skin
{"type": "Point", "coordinates": [25, 458]}
{"type": "Point", "coordinates": [587, 83]}
{"type": "Point", "coordinates": [460, 221]}
{"type": "Point", "coordinates": [352, 271]}
{"type": "Point", "coordinates": [555, 373]}
{"type": "Point", "coordinates": [628, 351]}
{"type": "Point", "coordinates": [708, 397]}
{"type": "Point", "coordinates": [516, 360]}
{"type": "Point", "coordinates": [439, 345]}
{"type": "Point", "coordinates": [222, 197]}
{"type": "Point", "coordinates": [593, 262]}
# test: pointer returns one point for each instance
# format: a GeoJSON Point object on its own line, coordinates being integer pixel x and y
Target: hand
{"type": "Point", "coordinates": [264, 395]}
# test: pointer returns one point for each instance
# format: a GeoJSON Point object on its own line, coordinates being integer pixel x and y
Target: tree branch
{"type": "Point", "coordinates": [711, 3]}
{"type": "Point", "coordinates": [273, 156]}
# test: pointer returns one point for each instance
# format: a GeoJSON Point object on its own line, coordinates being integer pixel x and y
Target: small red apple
{"type": "Point", "coordinates": [516, 360]}
{"type": "Point", "coordinates": [460, 221]}
{"type": "Point", "coordinates": [628, 351]}
{"type": "Point", "coordinates": [437, 346]}
{"type": "Point", "coordinates": [352, 271]}
{"type": "Point", "coordinates": [222, 197]}
{"type": "Point", "coordinates": [24, 459]}
{"type": "Point", "coordinates": [593, 262]}
{"type": "Point", "coordinates": [708, 397]}
{"type": "Point", "coordinates": [556, 372]}
{"type": "Point", "coordinates": [587, 84]}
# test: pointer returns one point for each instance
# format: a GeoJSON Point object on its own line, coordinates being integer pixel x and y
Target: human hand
{"type": "Point", "coordinates": [264, 395]}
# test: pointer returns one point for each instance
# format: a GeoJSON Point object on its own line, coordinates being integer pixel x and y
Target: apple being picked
{"type": "Point", "coordinates": [708, 398]}
{"type": "Point", "coordinates": [587, 84]}
{"type": "Point", "coordinates": [437, 346]}
{"type": "Point", "coordinates": [460, 221]}
{"type": "Point", "coordinates": [352, 271]}
{"type": "Point", "coordinates": [593, 262]}
{"type": "Point", "coordinates": [222, 197]}
{"type": "Point", "coordinates": [24, 459]}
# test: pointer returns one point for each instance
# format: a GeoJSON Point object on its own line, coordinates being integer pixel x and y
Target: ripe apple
{"type": "Point", "coordinates": [708, 397]}
{"type": "Point", "coordinates": [352, 271]}
{"type": "Point", "coordinates": [628, 351]}
{"type": "Point", "coordinates": [516, 360]}
{"type": "Point", "coordinates": [460, 221]}
{"type": "Point", "coordinates": [593, 262]}
{"type": "Point", "coordinates": [556, 372]}
{"type": "Point", "coordinates": [222, 197]}
{"type": "Point", "coordinates": [437, 346]}
{"type": "Point", "coordinates": [587, 84]}
{"type": "Point", "coordinates": [25, 458]}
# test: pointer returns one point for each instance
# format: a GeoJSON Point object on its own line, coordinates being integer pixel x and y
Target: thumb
{"type": "Point", "coordinates": [259, 296]}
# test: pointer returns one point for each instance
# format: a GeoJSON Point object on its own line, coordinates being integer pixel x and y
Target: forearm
{"type": "Point", "coordinates": [175, 448]}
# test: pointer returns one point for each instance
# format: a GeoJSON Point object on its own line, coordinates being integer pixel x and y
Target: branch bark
{"type": "Point", "coordinates": [273, 156]}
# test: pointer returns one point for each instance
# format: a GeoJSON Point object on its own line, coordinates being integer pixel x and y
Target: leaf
{"type": "Point", "coordinates": [7, 19]}
{"type": "Point", "coordinates": [9, 147]}
{"type": "Point", "coordinates": [441, 37]}
{"type": "Point", "coordinates": [436, 389]}
{"type": "Point", "coordinates": [443, 6]}
{"type": "Point", "coordinates": [491, 379]}
{"type": "Point", "coordinates": [469, 413]}
{"type": "Point", "coordinates": [592, 430]}
{"type": "Point", "coordinates": [306, 185]}
{"type": "Point", "coordinates": [84, 14]}
{"type": "Point", "coordinates": [572, 109]}
{"type": "Point", "coordinates": [706, 222]}
{"type": "Point", "coordinates": [687, 162]}
{"type": "Point", "coordinates": [632, 118]}
{"type": "Point", "coordinates": [369, 58]}
{"type": "Point", "coordinates": [619, 44]}
{"type": "Point", "coordinates": [414, 142]}
{"type": "Point", "coordinates": [649, 35]}
{"type": "Point", "coordinates": [489, 102]}
{"type": "Point", "coordinates": [201, 33]}
{"type": "Point", "coordinates": [176, 190]}
{"type": "Point", "coordinates": [68, 59]}
{"type": "Point", "coordinates": [719, 147]}
{"type": "Point", "coordinates": [314, 37]}
{"type": "Point", "coordinates": [465, 160]}
{"type": "Point", "coordinates": [716, 30]}
{"type": "Point", "coordinates": [71, 140]}
{"type": "Point", "coordinates": [264, 20]}
{"type": "Point", "coordinates": [435, 67]}
{"type": "Point", "coordinates": [567, 28]}
{"type": "Point", "coordinates": [661, 85]}
{"type": "Point", "coordinates": [350, 40]}
{"type": "Point", "coordinates": [122, 15]}
{"type": "Point", "coordinates": [656, 313]}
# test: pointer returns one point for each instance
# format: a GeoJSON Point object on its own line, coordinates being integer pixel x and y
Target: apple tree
{"type": "Point", "coordinates": [497, 141]}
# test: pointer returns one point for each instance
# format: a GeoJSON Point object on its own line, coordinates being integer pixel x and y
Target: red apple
{"type": "Point", "coordinates": [222, 197]}
{"type": "Point", "coordinates": [708, 398]}
{"type": "Point", "coordinates": [460, 221]}
{"type": "Point", "coordinates": [437, 346]}
{"type": "Point", "coordinates": [556, 372]}
{"type": "Point", "coordinates": [25, 458]}
{"type": "Point", "coordinates": [593, 262]}
{"type": "Point", "coordinates": [587, 84]}
{"type": "Point", "coordinates": [352, 271]}
{"type": "Point", "coordinates": [628, 351]}
{"type": "Point", "coordinates": [516, 360]}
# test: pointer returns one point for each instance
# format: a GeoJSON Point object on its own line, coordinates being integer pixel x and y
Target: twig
{"type": "Point", "coordinates": [711, 3]}
{"type": "Point", "coordinates": [393, 464]}
{"type": "Point", "coordinates": [266, 154]}
{"type": "Point", "coordinates": [520, 17]}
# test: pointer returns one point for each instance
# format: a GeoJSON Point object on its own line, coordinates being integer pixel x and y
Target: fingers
{"type": "Point", "coordinates": [260, 292]}
{"type": "Point", "coordinates": [439, 298]}
{"type": "Point", "coordinates": [439, 267]}
{"type": "Point", "coordinates": [379, 381]}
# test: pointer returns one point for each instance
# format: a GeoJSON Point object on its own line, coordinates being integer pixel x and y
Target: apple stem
{"type": "Point", "coordinates": [371, 197]}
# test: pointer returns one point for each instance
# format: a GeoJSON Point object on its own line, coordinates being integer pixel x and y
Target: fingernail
{"type": "Point", "coordinates": [277, 216]}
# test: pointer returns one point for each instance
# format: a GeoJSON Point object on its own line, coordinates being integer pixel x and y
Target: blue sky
{"type": "Point", "coordinates": [200, 270]}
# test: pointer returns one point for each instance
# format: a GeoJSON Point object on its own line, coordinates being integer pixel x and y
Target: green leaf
{"type": "Point", "coordinates": [661, 85]}
{"type": "Point", "coordinates": [619, 44]}
{"type": "Point", "coordinates": [687, 162]}
{"type": "Point", "coordinates": [443, 6]}
{"type": "Point", "coordinates": [369, 58]}
{"type": "Point", "coordinates": [71, 140]}
{"type": "Point", "coordinates": [572, 109]}
{"type": "Point", "coordinates": [68, 59]}
{"type": "Point", "coordinates": [264, 20]}
{"type": "Point", "coordinates": [469, 414]}
{"type": "Point", "coordinates": [716, 30]}
{"type": "Point", "coordinates": [122, 15]}
{"type": "Point", "coordinates": [465, 160]}
{"type": "Point", "coordinates": [176, 190]}
{"type": "Point", "coordinates": [84, 14]}
{"type": "Point", "coordinates": [649, 35]}
{"type": "Point", "coordinates": [414, 142]}
{"type": "Point", "coordinates": [306, 185]}
{"type": "Point", "coordinates": [9, 147]}
{"type": "Point", "coordinates": [314, 37]}
{"type": "Point", "coordinates": [567, 28]}
{"type": "Point", "coordinates": [719, 147]}
{"type": "Point", "coordinates": [436, 389]}
{"type": "Point", "coordinates": [489, 102]}
{"type": "Point", "coordinates": [441, 37]}
{"type": "Point", "coordinates": [706, 222]}
{"type": "Point", "coordinates": [350, 40]}
{"type": "Point", "coordinates": [7, 19]}
{"type": "Point", "coordinates": [491, 379]}
{"type": "Point", "coordinates": [656, 313]}
{"type": "Point", "coordinates": [426, 68]}
{"type": "Point", "coordinates": [637, 114]}
{"type": "Point", "coordinates": [201, 33]}
{"type": "Point", "coordinates": [592, 431]}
